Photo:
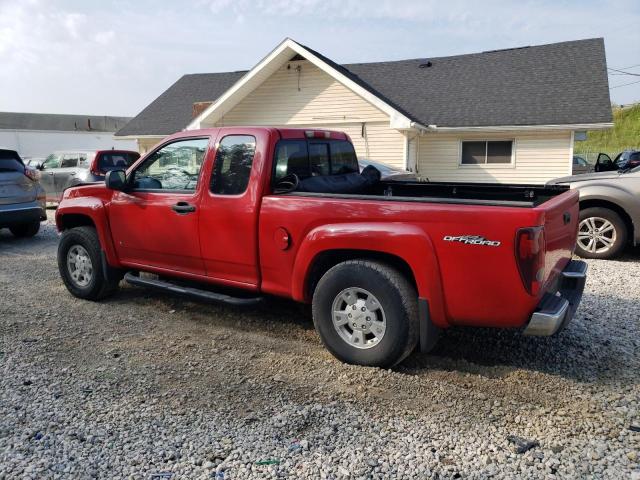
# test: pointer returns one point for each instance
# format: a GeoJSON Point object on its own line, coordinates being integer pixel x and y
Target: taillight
{"type": "Point", "coordinates": [317, 134]}
{"type": "Point", "coordinates": [530, 250]}
{"type": "Point", "coordinates": [32, 173]}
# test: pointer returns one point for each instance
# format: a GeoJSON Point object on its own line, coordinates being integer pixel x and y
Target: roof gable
{"type": "Point", "coordinates": [299, 93]}
{"type": "Point", "coordinates": [270, 64]}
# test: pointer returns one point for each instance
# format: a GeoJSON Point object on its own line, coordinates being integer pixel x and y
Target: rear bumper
{"type": "Point", "coordinates": [556, 309]}
{"type": "Point", "coordinates": [18, 213]}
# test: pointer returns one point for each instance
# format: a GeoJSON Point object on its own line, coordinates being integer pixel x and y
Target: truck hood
{"type": "Point", "coordinates": [584, 177]}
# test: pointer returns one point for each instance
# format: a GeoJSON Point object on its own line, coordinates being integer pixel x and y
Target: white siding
{"type": "Point", "coordinates": [539, 157]}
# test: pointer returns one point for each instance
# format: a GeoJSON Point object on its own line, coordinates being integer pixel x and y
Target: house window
{"type": "Point", "coordinates": [487, 152]}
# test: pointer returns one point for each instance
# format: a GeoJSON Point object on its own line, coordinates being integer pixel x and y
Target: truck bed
{"type": "Point", "coordinates": [523, 196]}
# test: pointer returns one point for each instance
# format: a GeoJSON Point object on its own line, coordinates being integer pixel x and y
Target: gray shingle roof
{"type": "Point", "coordinates": [60, 122]}
{"type": "Point", "coordinates": [172, 111]}
{"type": "Point", "coordinates": [560, 83]}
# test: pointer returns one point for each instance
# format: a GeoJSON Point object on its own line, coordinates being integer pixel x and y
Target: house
{"type": "Point", "coordinates": [497, 116]}
{"type": "Point", "coordinates": [39, 134]}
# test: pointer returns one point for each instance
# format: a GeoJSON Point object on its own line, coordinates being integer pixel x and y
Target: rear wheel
{"type": "Point", "coordinates": [601, 233]}
{"type": "Point", "coordinates": [366, 313]}
{"type": "Point", "coordinates": [25, 229]}
{"type": "Point", "coordinates": [81, 267]}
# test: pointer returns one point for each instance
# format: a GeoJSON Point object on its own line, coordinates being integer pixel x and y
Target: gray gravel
{"type": "Point", "coordinates": [146, 385]}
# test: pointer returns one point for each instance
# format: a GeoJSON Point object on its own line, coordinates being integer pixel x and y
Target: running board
{"type": "Point", "coordinates": [191, 292]}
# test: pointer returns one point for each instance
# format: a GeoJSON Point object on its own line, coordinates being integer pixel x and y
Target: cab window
{"type": "Point", "coordinates": [232, 166]}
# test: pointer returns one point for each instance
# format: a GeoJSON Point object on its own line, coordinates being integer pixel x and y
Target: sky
{"type": "Point", "coordinates": [104, 57]}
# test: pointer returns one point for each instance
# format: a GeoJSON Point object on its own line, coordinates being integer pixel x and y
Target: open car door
{"type": "Point", "coordinates": [604, 163]}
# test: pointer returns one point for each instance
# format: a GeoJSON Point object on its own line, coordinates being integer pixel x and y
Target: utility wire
{"type": "Point", "coordinates": [624, 84]}
{"type": "Point", "coordinates": [626, 68]}
{"type": "Point", "coordinates": [626, 73]}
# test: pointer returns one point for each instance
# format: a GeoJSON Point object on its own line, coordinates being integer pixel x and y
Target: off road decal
{"type": "Point", "coordinates": [472, 240]}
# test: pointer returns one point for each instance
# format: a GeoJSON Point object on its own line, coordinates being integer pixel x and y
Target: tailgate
{"type": "Point", "coordinates": [15, 187]}
{"type": "Point", "coordinates": [561, 217]}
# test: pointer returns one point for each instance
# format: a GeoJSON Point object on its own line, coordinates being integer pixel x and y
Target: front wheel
{"type": "Point", "coordinates": [601, 233]}
{"type": "Point", "coordinates": [80, 265]}
{"type": "Point", "coordinates": [366, 313]}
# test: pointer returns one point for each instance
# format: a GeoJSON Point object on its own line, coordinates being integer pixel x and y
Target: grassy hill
{"type": "Point", "coordinates": [625, 134]}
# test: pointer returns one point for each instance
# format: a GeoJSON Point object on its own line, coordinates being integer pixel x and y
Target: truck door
{"type": "Point", "coordinates": [155, 222]}
{"type": "Point", "coordinates": [231, 205]}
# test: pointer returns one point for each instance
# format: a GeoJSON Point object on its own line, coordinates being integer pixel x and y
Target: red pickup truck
{"type": "Point", "coordinates": [231, 214]}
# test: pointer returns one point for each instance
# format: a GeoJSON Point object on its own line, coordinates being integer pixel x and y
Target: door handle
{"type": "Point", "coordinates": [183, 208]}
{"type": "Point", "coordinates": [50, 173]}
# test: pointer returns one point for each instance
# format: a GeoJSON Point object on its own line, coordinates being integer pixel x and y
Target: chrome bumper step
{"type": "Point", "coordinates": [556, 310]}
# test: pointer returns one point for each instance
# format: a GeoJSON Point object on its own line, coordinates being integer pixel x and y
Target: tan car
{"type": "Point", "coordinates": [609, 211]}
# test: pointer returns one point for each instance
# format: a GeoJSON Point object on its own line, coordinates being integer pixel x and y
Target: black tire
{"type": "Point", "coordinates": [25, 230]}
{"type": "Point", "coordinates": [395, 294]}
{"type": "Point", "coordinates": [619, 226]}
{"type": "Point", "coordinates": [101, 283]}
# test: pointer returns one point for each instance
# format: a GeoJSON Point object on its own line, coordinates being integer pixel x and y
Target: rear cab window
{"type": "Point", "coordinates": [116, 160]}
{"type": "Point", "coordinates": [310, 158]}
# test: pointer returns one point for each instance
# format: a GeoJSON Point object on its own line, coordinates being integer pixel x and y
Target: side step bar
{"type": "Point", "coordinates": [191, 292]}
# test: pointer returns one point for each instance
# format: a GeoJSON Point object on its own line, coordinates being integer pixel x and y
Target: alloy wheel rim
{"type": "Point", "coordinates": [358, 317]}
{"type": "Point", "coordinates": [79, 265]}
{"type": "Point", "coordinates": [596, 235]}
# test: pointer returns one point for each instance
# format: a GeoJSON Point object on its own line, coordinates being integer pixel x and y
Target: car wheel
{"type": "Point", "coordinates": [81, 267]}
{"type": "Point", "coordinates": [601, 233]}
{"type": "Point", "coordinates": [366, 313]}
{"type": "Point", "coordinates": [25, 229]}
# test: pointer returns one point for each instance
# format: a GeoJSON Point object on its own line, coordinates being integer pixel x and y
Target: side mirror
{"type": "Point", "coordinates": [40, 166]}
{"type": "Point", "coordinates": [116, 180]}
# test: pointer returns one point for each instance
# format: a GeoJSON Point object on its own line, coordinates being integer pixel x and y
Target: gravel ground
{"type": "Point", "coordinates": [146, 385]}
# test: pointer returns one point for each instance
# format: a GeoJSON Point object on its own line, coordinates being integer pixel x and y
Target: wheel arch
{"type": "Point", "coordinates": [328, 259]}
{"type": "Point", "coordinates": [91, 215]}
{"type": "Point", "coordinates": [404, 247]}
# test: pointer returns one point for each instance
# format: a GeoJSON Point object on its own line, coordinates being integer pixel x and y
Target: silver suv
{"type": "Point", "coordinates": [65, 169]}
{"type": "Point", "coordinates": [22, 201]}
